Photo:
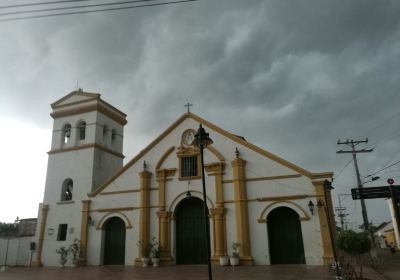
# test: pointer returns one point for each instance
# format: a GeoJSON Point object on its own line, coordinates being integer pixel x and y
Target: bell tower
{"type": "Point", "coordinates": [86, 149]}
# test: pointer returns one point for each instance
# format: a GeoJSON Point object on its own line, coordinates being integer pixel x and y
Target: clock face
{"type": "Point", "coordinates": [188, 137]}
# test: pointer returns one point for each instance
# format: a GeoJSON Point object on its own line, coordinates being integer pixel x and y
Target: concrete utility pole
{"type": "Point", "coordinates": [354, 152]}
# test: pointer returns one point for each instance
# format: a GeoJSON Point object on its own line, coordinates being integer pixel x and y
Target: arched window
{"type": "Point", "coordinates": [66, 190]}
{"type": "Point", "coordinates": [66, 133]}
{"type": "Point", "coordinates": [82, 130]}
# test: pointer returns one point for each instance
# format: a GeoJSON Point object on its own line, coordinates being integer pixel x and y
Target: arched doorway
{"type": "Point", "coordinates": [285, 237]}
{"type": "Point", "coordinates": [190, 232]}
{"type": "Point", "coordinates": [114, 241]}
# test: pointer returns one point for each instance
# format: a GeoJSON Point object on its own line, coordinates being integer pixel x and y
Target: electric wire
{"type": "Point", "coordinates": [73, 7]}
{"type": "Point", "coordinates": [393, 164]}
{"type": "Point", "coordinates": [341, 170]}
{"type": "Point", "coordinates": [382, 123]}
{"type": "Point", "coordinates": [95, 11]}
{"type": "Point", "coordinates": [40, 3]}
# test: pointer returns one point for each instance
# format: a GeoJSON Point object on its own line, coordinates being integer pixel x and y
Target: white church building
{"type": "Point", "coordinates": [255, 198]}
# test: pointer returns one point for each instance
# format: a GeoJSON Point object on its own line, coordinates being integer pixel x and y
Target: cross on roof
{"type": "Point", "coordinates": [188, 105]}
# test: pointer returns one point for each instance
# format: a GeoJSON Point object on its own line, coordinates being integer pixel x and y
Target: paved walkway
{"type": "Point", "coordinates": [389, 264]}
{"type": "Point", "coordinates": [181, 272]}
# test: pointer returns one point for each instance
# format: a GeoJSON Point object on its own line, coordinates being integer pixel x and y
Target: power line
{"type": "Point", "coordinates": [341, 170]}
{"type": "Point", "coordinates": [397, 162]}
{"type": "Point", "coordinates": [382, 123]}
{"type": "Point", "coordinates": [40, 3]}
{"type": "Point", "coordinates": [95, 11]}
{"type": "Point", "coordinates": [73, 7]}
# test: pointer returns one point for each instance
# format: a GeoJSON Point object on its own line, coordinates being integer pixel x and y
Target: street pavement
{"type": "Point", "coordinates": [389, 264]}
{"type": "Point", "coordinates": [180, 272]}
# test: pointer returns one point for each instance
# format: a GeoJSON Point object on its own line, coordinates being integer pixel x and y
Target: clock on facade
{"type": "Point", "coordinates": [188, 137]}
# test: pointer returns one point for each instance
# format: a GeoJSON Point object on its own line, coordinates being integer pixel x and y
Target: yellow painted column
{"type": "Point", "coordinates": [164, 225]}
{"type": "Point", "coordinates": [144, 215]}
{"type": "Point", "coordinates": [242, 215]}
{"type": "Point", "coordinates": [84, 232]}
{"type": "Point", "coordinates": [219, 228]}
{"type": "Point", "coordinates": [323, 221]}
{"type": "Point", "coordinates": [38, 261]}
{"type": "Point", "coordinates": [218, 213]}
{"type": "Point", "coordinates": [164, 217]}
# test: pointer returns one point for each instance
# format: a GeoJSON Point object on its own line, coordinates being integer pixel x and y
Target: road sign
{"type": "Point", "coordinates": [374, 192]}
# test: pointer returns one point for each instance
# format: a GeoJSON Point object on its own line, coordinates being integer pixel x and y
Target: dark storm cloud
{"type": "Point", "coordinates": [290, 76]}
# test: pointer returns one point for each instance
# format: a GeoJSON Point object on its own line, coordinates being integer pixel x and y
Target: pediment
{"type": "Point", "coordinates": [75, 97]}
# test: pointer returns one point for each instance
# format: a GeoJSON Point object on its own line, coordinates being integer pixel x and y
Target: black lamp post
{"type": "Point", "coordinates": [202, 140]}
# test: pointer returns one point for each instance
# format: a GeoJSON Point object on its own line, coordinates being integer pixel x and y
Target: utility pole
{"type": "Point", "coordinates": [354, 152]}
{"type": "Point", "coordinates": [342, 211]}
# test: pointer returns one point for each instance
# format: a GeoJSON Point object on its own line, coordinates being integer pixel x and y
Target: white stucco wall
{"type": "Point", "coordinates": [87, 169]}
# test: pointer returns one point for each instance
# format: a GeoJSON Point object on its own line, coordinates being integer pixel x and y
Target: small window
{"type": "Point", "coordinates": [66, 190]}
{"type": "Point", "coordinates": [189, 166]}
{"type": "Point", "coordinates": [62, 232]}
{"type": "Point", "coordinates": [67, 133]}
{"type": "Point", "coordinates": [113, 134]}
{"type": "Point", "coordinates": [82, 130]}
{"type": "Point", "coordinates": [105, 132]}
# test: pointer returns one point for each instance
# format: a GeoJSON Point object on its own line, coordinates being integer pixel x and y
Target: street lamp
{"type": "Point", "coordinates": [202, 140]}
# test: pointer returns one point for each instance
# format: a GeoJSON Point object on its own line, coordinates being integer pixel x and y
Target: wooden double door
{"type": "Point", "coordinates": [190, 232]}
{"type": "Point", "coordinates": [285, 237]}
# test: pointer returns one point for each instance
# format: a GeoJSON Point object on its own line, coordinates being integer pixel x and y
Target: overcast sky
{"type": "Point", "coordinates": [292, 77]}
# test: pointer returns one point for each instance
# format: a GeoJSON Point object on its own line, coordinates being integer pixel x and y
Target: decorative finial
{"type": "Point", "coordinates": [237, 153]}
{"type": "Point", "coordinates": [144, 165]}
{"type": "Point", "coordinates": [188, 105]}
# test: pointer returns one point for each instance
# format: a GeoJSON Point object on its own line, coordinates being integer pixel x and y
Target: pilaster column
{"type": "Point", "coordinates": [219, 212]}
{"type": "Point", "coordinates": [144, 214]}
{"type": "Point", "coordinates": [38, 261]}
{"type": "Point", "coordinates": [164, 229]}
{"type": "Point", "coordinates": [323, 221]}
{"type": "Point", "coordinates": [242, 215]}
{"type": "Point", "coordinates": [84, 231]}
{"type": "Point", "coordinates": [219, 228]}
{"type": "Point", "coordinates": [164, 217]}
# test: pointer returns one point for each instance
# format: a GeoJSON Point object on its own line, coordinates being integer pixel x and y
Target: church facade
{"type": "Point", "coordinates": [255, 199]}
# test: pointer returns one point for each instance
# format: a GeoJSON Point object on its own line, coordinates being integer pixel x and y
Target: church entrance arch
{"type": "Point", "coordinates": [285, 237]}
{"type": "Point", "coordinates": [190, 232]}
{"type": "Point", "coordinates": [114, 241]}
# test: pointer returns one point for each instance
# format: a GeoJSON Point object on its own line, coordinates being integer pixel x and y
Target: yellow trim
{"type": "Point", "coordinates": [214, 127]}
{"type": "Point", "coordinates": [100, 224]}
{"type": "Point", "coordinates": [38, 261]}
{"type": "Point", "coordinates": [280, 177]}
{"type": "Point", "coordinates": [164, 156]}
{"type": "Point", "coordinates": [119, 192]}
{"type": "Point", "coordinates": [182, 196]}
{"type": "Point", "coordinates": [100, 107]}
{"type": "Point", "coordinates": [78, 102]}
{"type": "Point", "coordinates": [303, 216]}
{"type": "Point", "coordinates": [241, 209]}
{"type": "Point", "coordinates": [86, 146]}
{"type": "Point", "coordinates": [115, 209]}
{"type": "Point", "coordinates": [144, 214]}
{"type": "Point", "coordinates": [79, 93]}
{"type": "Point", "coordinates": [84, 231]}
{"type": "Point", "coordinates": [216, 153]}
{"type": "Point", "coordinates": [65, 202]}
{"type": "Point", "coordinates": [323, 222]}
{"type": "Point", "coordinates": [285, 197]}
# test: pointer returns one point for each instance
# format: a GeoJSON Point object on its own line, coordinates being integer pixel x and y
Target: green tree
{"type": "Point", "coordinates": [356, 245]}
{"type": "Point", "coordinates": [8, 229]}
